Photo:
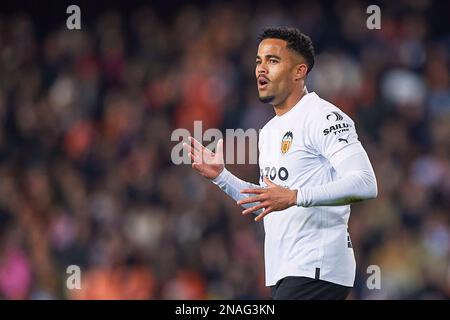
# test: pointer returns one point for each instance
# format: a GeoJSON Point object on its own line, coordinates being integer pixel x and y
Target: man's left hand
{"type": "Point", "coordinates": [271, 198]}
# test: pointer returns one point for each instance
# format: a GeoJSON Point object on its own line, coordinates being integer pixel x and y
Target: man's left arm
{"type": "Point", "coordinates": [356, 182]}
{"type": "Point", "coordinates": [333, 136]}
{"type": "Point", "coordinates": [335, 139]}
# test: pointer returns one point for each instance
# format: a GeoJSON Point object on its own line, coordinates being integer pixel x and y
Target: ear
{"type": "Point", "coordinates": [300, 71]}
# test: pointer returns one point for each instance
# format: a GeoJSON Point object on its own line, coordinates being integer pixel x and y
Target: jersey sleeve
{"type": "Point", "coordinates": [356, 182]}
{"type": "Point", "coordinates": [333, 135]}
{"type": "Point", "coordinates": [232, 185]}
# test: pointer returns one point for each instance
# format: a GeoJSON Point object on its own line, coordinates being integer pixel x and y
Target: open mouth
{"type": "Point", "coordinates": [262, 82]}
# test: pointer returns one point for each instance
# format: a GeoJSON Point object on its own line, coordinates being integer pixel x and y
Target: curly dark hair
{"type": "Point", "coordinates": [296, 40]}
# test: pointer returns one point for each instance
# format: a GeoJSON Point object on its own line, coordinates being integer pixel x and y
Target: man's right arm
{"type": "Point", "coordinates": [232, 185]}
{"type": "Point", "coordinates": [211, 166]}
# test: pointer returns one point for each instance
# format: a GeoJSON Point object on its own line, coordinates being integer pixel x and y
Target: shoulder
{"type": "Point", "coordinates": [322, 113]}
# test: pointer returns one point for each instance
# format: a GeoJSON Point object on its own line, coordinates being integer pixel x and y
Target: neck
{"type": "Point", "coordinates": [290, 101]}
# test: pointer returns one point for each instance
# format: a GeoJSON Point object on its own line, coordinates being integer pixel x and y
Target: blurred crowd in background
{"type": "Point", "coordinates": [86, 117]}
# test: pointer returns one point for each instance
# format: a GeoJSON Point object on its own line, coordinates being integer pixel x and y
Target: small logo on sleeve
{"type": "Point", "coordinates": [336, 116]}
{"type": "Point", "coordinates": [286, 142]}
{"type": "Point", "coordinates": [337, 128]}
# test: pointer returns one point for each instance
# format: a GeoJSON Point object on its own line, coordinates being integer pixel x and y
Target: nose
{"type": "Point", "coordinates": [261, 69]}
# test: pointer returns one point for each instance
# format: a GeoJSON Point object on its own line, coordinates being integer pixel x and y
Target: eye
{"type": "Point", "coordinates": [273, 61]}
{"type": "Point", "coordinates": [258, 62]}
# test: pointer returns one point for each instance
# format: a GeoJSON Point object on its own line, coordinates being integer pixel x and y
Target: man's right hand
{"type": "Point", "coordinates": [204, 161]}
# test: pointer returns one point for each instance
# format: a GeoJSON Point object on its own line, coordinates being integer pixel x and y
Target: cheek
{"type": "Point", "coordinates": [283, 82]}
{"type": "Point", "coordinates": [275, 76]}
{"type": "Point", "coordinates": [287, 79]}
{"type": "Point", "coordinates": [280, 74]}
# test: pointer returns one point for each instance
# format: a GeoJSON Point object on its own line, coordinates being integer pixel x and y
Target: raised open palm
{"type": "Point", "coordinates": [204, 161]}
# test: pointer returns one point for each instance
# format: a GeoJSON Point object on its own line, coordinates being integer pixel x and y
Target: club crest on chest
{"type": "Point", "coordinates": [286, 142]}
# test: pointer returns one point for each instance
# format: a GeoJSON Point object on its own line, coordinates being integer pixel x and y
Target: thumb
{"type": "Point", "coordinates": [268, 182]}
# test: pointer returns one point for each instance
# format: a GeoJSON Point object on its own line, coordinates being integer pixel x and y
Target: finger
{"type": "Point", "coordinates": [190, 151]}
{"type": "Point", "coordinates": [268, 182]}
{"type": "Point", "coordinates": [197, 154]}
{"type": "Point", "coordinates": [251, 200]}
{"type": "Point", "coordinates": [254, 191]}
{"type": "Point", "coordinates": [255, 208]}
{"type": "Point", "coordinates": [201, 151]}
{"type": "Point", "coordinates": [195, 158]}
{"type": "Point", "coordinates": [194, 154]}
{"type": "Point", "coordinates": [219, 148]}
{"type": "Point", "coordinates": [187, 147]}
{"type": "Point", "coordinates": [263, 214]}
{"type": "Point", "coordinates": [197, 145]}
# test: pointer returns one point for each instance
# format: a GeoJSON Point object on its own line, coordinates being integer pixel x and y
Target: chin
{"type": "Point", "coordinates": [266, 99]}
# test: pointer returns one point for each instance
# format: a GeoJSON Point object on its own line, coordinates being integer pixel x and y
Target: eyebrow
{"type": "Point", "coordinates": [269, 56]}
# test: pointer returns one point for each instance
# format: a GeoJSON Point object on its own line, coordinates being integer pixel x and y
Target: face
{"type": "Point", "coordinates": [276, 71]}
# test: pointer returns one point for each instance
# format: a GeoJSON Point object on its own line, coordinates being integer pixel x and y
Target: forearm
{"type": "Point", "coordinates": [232, 185]}
{"type": "Point", "coordinates": [357, 182]}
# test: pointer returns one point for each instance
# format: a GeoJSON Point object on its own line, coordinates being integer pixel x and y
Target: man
{"type": "Point", "coordinates": [312, 168]}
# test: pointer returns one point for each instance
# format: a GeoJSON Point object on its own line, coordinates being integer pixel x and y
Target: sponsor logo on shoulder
{"type": "Point", "coordinates": [334, 115]}
{"type": "Point", "coordinates": [337, 128]}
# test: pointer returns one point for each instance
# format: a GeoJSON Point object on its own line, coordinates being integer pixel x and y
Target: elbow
{"type": "Point", "coordinates": [372, 192]}
{"type": "Point", "coordinates": [363, 194]}
{"type": "Point", "coordinates": [370, 189]}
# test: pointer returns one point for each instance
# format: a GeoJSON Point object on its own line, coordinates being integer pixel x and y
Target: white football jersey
{"type": "Point", "coordinates": [300, 149]}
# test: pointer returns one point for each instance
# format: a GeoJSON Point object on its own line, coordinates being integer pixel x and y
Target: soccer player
{"type": "Point", "coordinates": [312, 168]}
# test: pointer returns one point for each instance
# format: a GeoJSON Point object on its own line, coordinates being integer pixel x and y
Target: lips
{"type": "Point", "coordinates": [262, 82]}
